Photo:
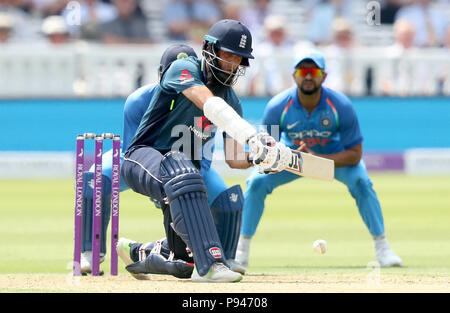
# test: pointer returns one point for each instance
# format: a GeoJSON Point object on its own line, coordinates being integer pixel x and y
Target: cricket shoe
{"type": "Point", "coordinates": [385, 256]}
{"type": "Point", "coordinates": [236, 266]}
{"type": "Point", "coordinates": [243, 250]}
{"type": "Point", "coordinates": [218, 273]}
{"type": "Point", "coordinates": [123, 248]}
{"type": "Point", "coordinates": [86, 262]}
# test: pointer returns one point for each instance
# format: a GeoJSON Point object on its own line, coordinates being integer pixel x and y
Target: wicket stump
{"type": "Point", "coordinates": [97, 201]}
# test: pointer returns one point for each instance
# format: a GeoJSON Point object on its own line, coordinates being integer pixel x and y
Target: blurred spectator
{"type": "Point", "coordinates": [389, 8]}
{"type": "Point", "coordinates": [268, 74]}
{"type": "Point", "coordinates": [231, 10]}
{"type": "Point", "coordinates": [190, 19]}
{"type": "Point", "coordinates": [84, 21]}
{"type": "Point", "coordinates": [55, 29]}
{"type": "Point", "coordinates": [340, 59]}
{"type": "Point", "coordinates": [343, 35]}
{"type": "Point", "coordinates": [430, 24]}
{"type": "Point", "coordinates": [396, 74]}
{"type": "Point", "coordinates": [404, 34]}
{"type": "Point", "coordinates": [24, 5]}
{"type": "Point", "coordinates": [447, 37]}
{"type": "Point", "coordinates": [6, 26]}
{"type": "Point", "coordinates": [130, 26]}
{"type": "Point", "coordinates": [48, 7]}
{"type": "Point", "coordinates": [401, 75]}
{"type": "Point", "coordinates": [444, 80]}
{"type": "Point", "coordinates": [254, 15]}
{"type": "Point", "coordinates": [320, 15]}
{"type": "Point", "coordinates": [25, 28]}
{"type": "Point", "coordinates": [276, 33]}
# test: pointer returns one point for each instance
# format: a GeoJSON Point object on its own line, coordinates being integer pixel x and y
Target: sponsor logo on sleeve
{"type": "Point", "coordinates": [185, 76]}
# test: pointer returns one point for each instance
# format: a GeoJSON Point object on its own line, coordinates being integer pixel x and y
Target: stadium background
{"type": "Point", "coordinates": [67, 67]}
{"type": "Point", "coordinates": [402, 134]}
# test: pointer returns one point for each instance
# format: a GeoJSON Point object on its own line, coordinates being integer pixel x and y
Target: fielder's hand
{"type": "Point", "coordinates": [268, 154]}
{"type": "Point", "coordinates": [304, 148]}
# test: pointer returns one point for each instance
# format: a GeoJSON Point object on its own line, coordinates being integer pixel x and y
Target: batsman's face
{"type": "Point", "coordinates": [228, 61]}
{"type": "Point", "coordinates": [311, 82]}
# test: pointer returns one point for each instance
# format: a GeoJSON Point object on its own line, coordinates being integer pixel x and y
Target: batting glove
{"type": "Point", "coordinates": [269, 155]}
{"type": "Point", "coordinates": [258, 144]}
{"type": "Point", "coordinates": [284, 157]}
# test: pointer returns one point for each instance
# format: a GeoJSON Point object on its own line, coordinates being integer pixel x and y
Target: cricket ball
{"type": "Point", "coordinates": [320, 246]}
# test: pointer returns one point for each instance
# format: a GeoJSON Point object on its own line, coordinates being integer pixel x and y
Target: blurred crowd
{"type": "Point", "coordinates": [332, 25]}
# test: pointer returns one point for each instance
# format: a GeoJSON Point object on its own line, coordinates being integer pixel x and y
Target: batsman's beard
{"type": "Point", "coordinates": [225, 77]}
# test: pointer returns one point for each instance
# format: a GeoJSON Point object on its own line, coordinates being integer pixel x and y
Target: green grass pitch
{"type": "Point", "coordinates": [37, 222]}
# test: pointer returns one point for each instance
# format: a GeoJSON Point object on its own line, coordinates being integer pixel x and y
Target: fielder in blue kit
{"type": "Point", "coordinates": [217, 190]}
{"type": "Point", "coordinates": [322, 122]}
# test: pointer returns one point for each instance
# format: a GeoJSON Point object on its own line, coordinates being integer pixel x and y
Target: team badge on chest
{"type": "Point", "coordinates": [325, 122]}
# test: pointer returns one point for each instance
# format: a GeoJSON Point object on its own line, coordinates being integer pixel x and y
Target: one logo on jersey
{"type": "Point", "coordinates": [243, 41]}
{"type": "Point", "coordinates": [290, 126]}
{"type": "Point", "coordinates": [182, 55]}
{"type": "Point", "coordinates": [309, 133]}
{"type": "Point", "coordinates": [311, 137]}
{"type": "Point", "coordinates": [215, 252]}
{"type": "Point", "coordinates": [203, 123]}
{"type": "Point", "coordinates": [185, 75]}
{"type": "Point", "coordinates": [234, 197]}
{"type": "Point", "coordinates": [325, 122]}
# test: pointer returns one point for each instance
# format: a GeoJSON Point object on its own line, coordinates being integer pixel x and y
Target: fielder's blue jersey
{"type": "Point", "coordinates": [135, 107]}
{"type": "Point", "coordinates": [331, 127]}
{"type": "Point", "coordinates": [171, 120]}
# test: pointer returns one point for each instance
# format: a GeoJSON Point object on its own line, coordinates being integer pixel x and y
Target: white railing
{"type": "Point", "coordinates": [88, 70]}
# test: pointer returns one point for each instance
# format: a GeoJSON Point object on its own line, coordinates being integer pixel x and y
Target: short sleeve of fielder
{"type": "Point", "coordinates": [272, 114]}
{"type": "Point", "coordinates": [135, 107]}
{"type": "Point", "coordinates": [349, 126]}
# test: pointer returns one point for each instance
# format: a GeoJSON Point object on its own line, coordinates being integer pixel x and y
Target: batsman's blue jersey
{"type": "Point", "coordinates": [171, 116]}
{"type": "Point", "coordinates": [331, 127]}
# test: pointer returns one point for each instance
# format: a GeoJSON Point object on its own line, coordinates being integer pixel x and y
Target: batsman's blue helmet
{"type": "Point", "coordinates": [172, 53]}
{"type": "Point", "coordinates": [230, 36]}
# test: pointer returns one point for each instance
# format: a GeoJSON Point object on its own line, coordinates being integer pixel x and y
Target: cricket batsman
{"type": "Point", "coordinates": [320, 121]}
{"type": "Point", "coordinates": [193, 98]}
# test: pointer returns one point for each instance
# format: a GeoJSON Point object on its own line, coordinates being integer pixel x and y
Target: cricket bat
{"type": "Point", "coordinates": [308, 165]}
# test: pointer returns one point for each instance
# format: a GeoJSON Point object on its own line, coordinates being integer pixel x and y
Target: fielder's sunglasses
{"type": "Point", "coordinates": [315, 72]}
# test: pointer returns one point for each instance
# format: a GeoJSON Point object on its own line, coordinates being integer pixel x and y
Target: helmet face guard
{"type": "Point", "coordinates": [227, 78]}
